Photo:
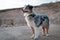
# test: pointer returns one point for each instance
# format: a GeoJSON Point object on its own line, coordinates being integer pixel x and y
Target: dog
{"type": "Point", "coordinates": [34, 21]}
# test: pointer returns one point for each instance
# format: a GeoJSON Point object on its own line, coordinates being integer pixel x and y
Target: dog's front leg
{"type": "Point", "coordinates": [37, 33]}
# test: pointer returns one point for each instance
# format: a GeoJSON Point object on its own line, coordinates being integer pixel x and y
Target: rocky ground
{"type": "Point", "coordinates": [24, 33]}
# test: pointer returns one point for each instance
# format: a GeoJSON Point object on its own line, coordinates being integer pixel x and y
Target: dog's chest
{"type": "Point", "coordinates": [29, 22]}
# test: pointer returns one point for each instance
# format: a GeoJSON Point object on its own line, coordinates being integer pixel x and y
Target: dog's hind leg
{"type": "Point", "coordinates": [47, 29]}
{"type": "Point", "coordinates": [37, 33]}
{"type": "Point", "coordinates": [43, 31]}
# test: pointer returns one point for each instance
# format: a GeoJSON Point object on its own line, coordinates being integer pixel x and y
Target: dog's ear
{"type": "Point", "coordinates": [29, 7]}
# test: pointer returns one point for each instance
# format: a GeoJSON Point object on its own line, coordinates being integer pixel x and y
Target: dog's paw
{"type": "Point", "coordinates": [47, 35]}
{"type": "Point", "coordinates": [36, 39]}
{"type": "Point", "coordinates": [32, 36]}
{"type": "Point", "coordinates": [43, 34]}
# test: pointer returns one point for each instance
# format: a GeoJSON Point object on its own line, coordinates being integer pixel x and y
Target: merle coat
{"type": "Point", "coordinates": [39, 19]}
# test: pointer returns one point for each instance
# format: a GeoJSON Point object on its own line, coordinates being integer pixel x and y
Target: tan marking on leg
{"type": "Point", "coordinates": [47, 29]}
{"type": "Point", "coordinates": [32, 30]}
{"type": "Point", "coordinates": [43, 29]}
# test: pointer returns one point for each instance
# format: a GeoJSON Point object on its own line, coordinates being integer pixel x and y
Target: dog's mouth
{"type": "Point", "coordinates": [25, 11]}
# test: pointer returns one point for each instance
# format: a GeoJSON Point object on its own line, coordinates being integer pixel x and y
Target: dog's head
{"type": "Point", "coordinates": [27, 9]}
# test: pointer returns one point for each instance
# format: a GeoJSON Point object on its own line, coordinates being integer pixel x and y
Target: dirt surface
{"type": "Point", "coordinates": [24, 33]}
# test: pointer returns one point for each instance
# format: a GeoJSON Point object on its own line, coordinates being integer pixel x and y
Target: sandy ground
{"type": "Point", "coordinates": [24, 33]}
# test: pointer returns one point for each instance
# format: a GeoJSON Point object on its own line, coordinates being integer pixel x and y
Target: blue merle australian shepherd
{"type": "Point", "coordinates": [34, 21]}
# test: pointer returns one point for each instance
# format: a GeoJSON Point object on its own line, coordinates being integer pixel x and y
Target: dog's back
{"type": "Point", "coordinates": [40, 19]}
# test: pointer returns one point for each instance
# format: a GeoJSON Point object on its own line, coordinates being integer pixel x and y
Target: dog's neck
{"type": "Point", "coordinates": [27, 14]}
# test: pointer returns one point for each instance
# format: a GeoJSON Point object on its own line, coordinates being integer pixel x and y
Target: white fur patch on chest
{"type": "Point", "coordinates": [29, 22]}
